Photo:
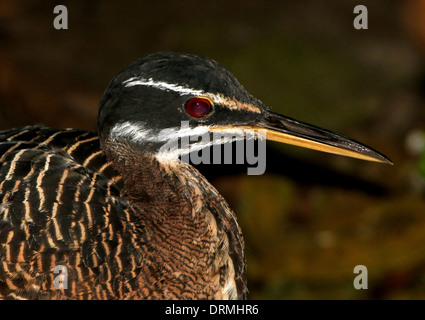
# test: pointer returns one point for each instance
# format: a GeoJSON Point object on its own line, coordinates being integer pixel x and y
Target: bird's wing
{"type": "Point", "coordinates": [60, 205]}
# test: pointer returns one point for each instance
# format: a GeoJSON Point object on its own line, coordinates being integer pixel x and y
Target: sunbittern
{"type": "Point", "coordinates": [127, 219]}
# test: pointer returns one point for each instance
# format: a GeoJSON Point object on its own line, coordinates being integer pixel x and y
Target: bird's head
{"type": "Point", "coordinates": [146, 104]}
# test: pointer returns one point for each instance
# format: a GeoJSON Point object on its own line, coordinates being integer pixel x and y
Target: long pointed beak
{"type": "Point", "coordinates": [286, 130]}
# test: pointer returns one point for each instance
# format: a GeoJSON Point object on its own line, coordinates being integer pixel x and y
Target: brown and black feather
{"type": "Point", "coordinates": [124, 230]}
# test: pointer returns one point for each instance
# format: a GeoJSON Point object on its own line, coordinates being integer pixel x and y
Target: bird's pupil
{"type": "Point", "coordinates": [198, 107]}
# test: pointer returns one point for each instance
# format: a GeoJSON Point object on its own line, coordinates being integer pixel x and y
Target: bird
{"type": "Point", "coordinates": [124, 217]}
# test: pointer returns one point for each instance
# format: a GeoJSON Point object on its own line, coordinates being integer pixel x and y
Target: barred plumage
{"type": "Point", "coordinates": [62, 204]}
{"type": "Point", "coordinates": [124, 215]}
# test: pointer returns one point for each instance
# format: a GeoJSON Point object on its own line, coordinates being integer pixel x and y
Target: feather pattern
{"type": "Point", "coordinates": [133, 230]}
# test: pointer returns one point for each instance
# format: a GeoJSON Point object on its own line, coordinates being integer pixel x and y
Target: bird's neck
{"type": "Point", "coordinates": [177, 199]}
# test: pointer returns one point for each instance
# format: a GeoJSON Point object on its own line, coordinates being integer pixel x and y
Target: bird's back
{"type": "Point", "coordinates": [62, 203]}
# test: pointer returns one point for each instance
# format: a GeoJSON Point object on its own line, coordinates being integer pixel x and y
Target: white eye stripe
{"type": "Point", "coordinates": [216, 98]}
{"type": "Point", "coordinates": [162, 86]}
{"type": "Point", "coordinates": [138, 132]}
{"type": "Point", "coordinates": [133, 131]}
{"type": "Point", "coordinates": [169, 137]}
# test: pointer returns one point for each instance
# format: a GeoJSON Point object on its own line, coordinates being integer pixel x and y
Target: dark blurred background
{"type": "Point", "coordinates": [312, 217]}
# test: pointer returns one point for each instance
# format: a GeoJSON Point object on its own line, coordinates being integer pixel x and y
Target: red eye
{"type": "Point", "coordinates": [198, 107]}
